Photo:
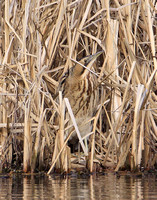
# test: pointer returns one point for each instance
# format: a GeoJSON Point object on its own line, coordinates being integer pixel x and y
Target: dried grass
{"type": "Point", "coordinates": [39, 40]}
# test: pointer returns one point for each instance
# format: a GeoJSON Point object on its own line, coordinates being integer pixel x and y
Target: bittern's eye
{"type": "Point", "coordinates": [82, 69]}
{"type": "Point", "coordinates": [88, 59]}
{"type": "Point", "coordinates": [64, 77]}
{"type": "Point", "coordinates": [86, 62]}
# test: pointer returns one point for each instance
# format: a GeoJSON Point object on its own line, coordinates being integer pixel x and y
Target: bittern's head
{"type": "Point", "coordinates": [80, 67]}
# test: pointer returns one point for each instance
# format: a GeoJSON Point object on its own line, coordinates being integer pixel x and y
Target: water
{"type": "Point", "coordinates": [95, 187]}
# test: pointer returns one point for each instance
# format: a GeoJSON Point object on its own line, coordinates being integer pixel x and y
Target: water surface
{"type": "Point", "coordinates": [95, 187]}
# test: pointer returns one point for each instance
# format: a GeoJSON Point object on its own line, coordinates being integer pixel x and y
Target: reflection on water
{"type": "Point", "coordinates": [108, 186]}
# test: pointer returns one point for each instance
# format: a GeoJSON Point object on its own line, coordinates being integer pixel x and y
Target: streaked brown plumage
{"type": "Point", "coordinates": [78, 85]}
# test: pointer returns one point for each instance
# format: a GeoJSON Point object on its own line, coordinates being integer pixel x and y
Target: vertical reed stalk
{"type": "Point", "coordinates": [136, 125]}
{"type": "Point", "coordinates": [27, 148]}
{"type": "Point", "coordinates": [38, 137]}
{"type": "Point", "coordinates": [63, 157]}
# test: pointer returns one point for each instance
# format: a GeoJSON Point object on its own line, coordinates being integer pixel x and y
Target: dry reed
{"type": "Point", "coordinates": [38, 42]}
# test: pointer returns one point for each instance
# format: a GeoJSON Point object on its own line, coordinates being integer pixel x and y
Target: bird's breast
{"type": "Point", "coordinates": [81, 95]}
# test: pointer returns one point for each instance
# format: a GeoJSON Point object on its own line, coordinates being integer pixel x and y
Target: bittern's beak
{"type": "Point", "coordinates": [83, 66]}
{"type": "Point", "coordinates": [92, 57]}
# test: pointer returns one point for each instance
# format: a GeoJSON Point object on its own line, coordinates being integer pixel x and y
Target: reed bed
{"type": "Point", "coordinates": [38, 42]}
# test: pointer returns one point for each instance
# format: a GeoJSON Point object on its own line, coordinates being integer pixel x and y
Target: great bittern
{"type": "Point", "coordinates": [79, 86]}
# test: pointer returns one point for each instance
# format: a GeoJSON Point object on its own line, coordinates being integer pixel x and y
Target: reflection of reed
{"type": "Point", "coordinates": [61, 188]}
{"type": "Point", "coordinates": [5, 189]}
{"type": "Point", "coordinates": [36, 188]}
{"type": "Point", "coordinates": [27, 189]}
{"type": "Point", "coordinates": [136, 189]}
{"type": "Point", "coordinates": [91, 189]}
{"type": "Point", "coordinates": [95, 187]}
{"type": "Point", "coordinates": [72, 188]}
